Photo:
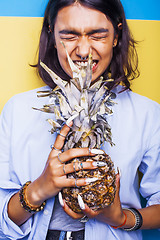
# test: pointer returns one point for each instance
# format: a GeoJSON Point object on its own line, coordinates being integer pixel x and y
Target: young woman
{"type": "Point", "coordinates": [85, 26]}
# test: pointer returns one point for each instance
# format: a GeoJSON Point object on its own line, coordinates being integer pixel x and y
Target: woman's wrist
{"type": "Point", "coordinates": [117, 217]}
{"type": "Point", "coordinates": [138, 220]}
{"type": "Point", "coordinates": [124, 220]}
{"type": "Point", "coordinates": [33, 194]}
{"type": "Point", "coordinates": [130, 219]}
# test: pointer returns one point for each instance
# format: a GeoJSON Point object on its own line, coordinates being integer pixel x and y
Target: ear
{"type": "Point", "coordinates": [115, 41]}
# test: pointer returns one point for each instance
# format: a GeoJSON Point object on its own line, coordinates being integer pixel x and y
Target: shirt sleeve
{"type": "Point", "coordinates": [7, 187]}
{"type": "Point", "coordinates": [150, 166]}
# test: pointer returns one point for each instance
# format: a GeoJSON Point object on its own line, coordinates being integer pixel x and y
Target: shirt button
{"type": "Point", "coordinates": [45, 212]}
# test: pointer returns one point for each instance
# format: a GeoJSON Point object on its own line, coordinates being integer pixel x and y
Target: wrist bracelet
{"type": "Point", "coordinates": [122, 223]}
{"type": "Point", "coordinates": [24, 202]}
{"type": "Point", "coordinates": [138, 219]}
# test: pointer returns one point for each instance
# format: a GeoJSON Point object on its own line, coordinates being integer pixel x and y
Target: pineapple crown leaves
{"type": "Point", "coordinates": [87, 105]}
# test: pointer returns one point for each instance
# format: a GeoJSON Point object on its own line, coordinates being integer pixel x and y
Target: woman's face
{"type": "Point", "coordinates": [83, 31]}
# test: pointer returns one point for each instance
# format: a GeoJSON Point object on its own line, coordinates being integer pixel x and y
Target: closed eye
{"type": "Point", "coordinates": [69, 37]}
{"type": "Point", "coordinates": [99, 36]}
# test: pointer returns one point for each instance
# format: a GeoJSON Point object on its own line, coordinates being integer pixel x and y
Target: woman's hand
{"type": "Point", "coordinates": [53, 177]}
{"type": "Point", "coordinates": [112, 215]}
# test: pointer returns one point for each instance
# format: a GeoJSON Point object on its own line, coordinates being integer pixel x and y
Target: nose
{"type": "Point", "coordinates": [83, 48]}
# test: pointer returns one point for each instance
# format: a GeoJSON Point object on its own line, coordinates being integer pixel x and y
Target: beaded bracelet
{"type": "Point", "coordinates": [138, 219]}
{"type": "Point", "coordinates": [122, 223]}
{"type": "Point", "coordinates": [24, 202]}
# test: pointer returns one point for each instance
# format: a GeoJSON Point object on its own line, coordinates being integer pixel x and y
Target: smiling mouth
{"type": "Point", "coordinates": [81, 64]}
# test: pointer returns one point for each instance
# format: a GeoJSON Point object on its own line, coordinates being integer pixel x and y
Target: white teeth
{"type": "Point", "coordinates": [81, 64]}
{"type": "Point", "coordinates": [94, 63]}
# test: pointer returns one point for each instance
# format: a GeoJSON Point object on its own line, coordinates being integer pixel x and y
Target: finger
{"type": "Point", "coordinates": [71, 213]}
{"type": "Point", "coordinates": [78, 152]}
{"type": "Point", "coordinates": [60, 139]}
{"type": "Point", "coordinates": [67, 209]}
{"type": "Point", "coordinates": [117, 198]}
{"type": "Point", "coordinates": [77, 166]}
{"type": "Point", "coordinates": [76, 182]}
{"type": "Point", "coordinates": [55, 149]}
{"type": "Point", "coordinates": [118, 180]}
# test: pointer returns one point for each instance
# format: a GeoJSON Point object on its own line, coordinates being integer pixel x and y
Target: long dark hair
{"type": "Point", "coordinates": [124, 64]}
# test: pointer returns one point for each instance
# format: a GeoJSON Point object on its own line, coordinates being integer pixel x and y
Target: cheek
{"type": "Point", "coordinates": [61, 57]}
{"type": "Point", "coordinates": [61, 53]}
{"type": "Point", "coordinates": [60, 50]}
{"type": "Point", "coordinates": [107, 57]}
{"type": "Point", "coordinates": [63, 60]}
{"type": "Point", "coordinates": [107, 50]}
{"type": "Point", "coordinates": [104, 49]}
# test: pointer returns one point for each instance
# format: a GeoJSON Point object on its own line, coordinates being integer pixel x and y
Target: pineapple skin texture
{"type": "Point", "coordinates": [96, 195]}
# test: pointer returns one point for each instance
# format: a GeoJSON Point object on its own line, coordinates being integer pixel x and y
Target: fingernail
{"type": "Point", "coordinates": [99, 164]}
{"type": "Point", "coordinates": [119, 172]}
{"type": "Point", "coordinates": [68, 122]}
{"type": "Point", "coordinates": [96, 151]}
{"type": "Point", "coordinates": [80, 202]}
{"type": "Point", "coordinates": [90, 180]}
{"type": "Point", "coordinates": [60, 199]}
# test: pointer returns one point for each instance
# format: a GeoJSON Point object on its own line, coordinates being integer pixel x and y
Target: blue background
{"type": "Point", "coordinates": [135, 9]}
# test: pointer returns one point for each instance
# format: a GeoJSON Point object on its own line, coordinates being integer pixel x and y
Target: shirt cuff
{"type": "Point", "coordinates": [154, 199]}
{"type": "Point", "coordinates": [10, 229]}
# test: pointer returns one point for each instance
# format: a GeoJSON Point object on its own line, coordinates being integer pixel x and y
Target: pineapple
{"type": "Point", "coordinates": [87, 105]}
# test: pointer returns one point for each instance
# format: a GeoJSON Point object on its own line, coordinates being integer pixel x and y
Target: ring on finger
{"type": "Point", "coordinates": [67, 125]}
{"type": "Point", "coordinates": [58, 156]}
{"type": "Point", "coordinates": [81, 164]}
{"type": "Point", "coordinates": [64, 169]}
{"type": "Point", "coordinates": [61, 135]}
{"type": "Point", "coordinates": [76, 183]}
{"type": "Point", "coordinates": [53, 147]}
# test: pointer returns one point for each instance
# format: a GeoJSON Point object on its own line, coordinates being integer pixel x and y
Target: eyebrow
{"type": "Point", "coordinates": [99, 30]}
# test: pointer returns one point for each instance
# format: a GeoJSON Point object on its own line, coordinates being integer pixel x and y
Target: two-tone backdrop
{"type": "Point", "coordinates": [20, 24]}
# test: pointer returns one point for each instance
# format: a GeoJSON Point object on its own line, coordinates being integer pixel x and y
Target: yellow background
{"type": "Point", "coordinates": [18, 48]}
